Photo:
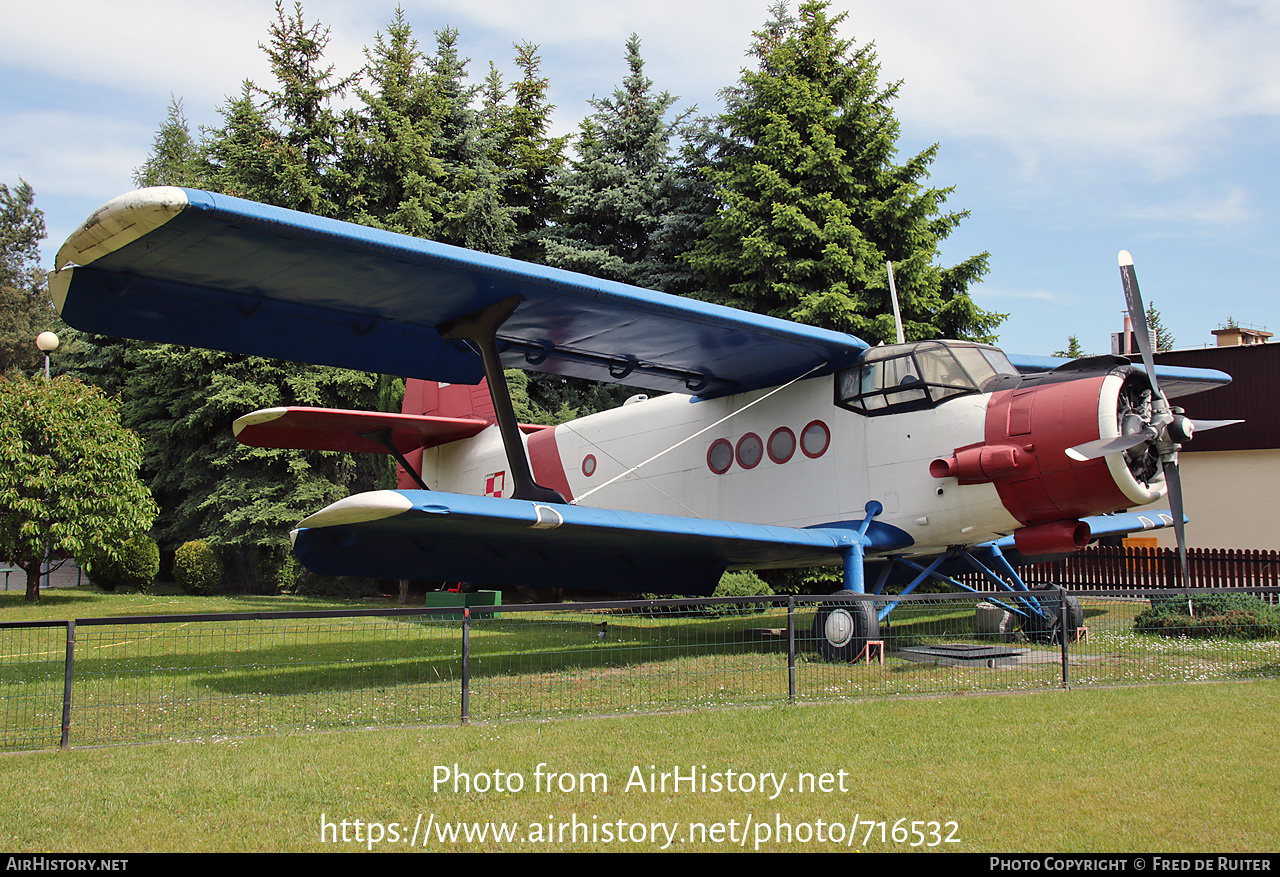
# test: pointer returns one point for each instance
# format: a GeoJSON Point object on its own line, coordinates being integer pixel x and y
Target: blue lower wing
{"type": "Point", "coordinates": [433, 535]}
{"type": "Point", "coordinates": [453, 537]}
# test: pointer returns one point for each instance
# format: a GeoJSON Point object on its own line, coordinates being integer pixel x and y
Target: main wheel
{"type": "Point", "coordinates": [843, 626]}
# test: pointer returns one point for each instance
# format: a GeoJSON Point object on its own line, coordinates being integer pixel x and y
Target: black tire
{"type": "Point", "coordinates": [1040, 629]}
{"type": "Point", "coordinates": [842, 627]}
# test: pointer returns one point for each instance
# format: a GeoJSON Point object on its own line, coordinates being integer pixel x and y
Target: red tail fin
{"type": "Point", "coordinates": [448, 400]}
{"type": "Point", "coordinates": [442, 400]}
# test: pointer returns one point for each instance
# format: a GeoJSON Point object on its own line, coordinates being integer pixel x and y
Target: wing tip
{"type": "Point", "coordinates": [119, 222]}
{"type": "Point", "coordinates": [359, 508]}
{"type": "Point", "coordinates": [263, 415]}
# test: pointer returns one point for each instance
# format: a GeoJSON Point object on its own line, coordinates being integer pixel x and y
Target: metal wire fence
{"type": "Point", "coordinates": [116, 680]}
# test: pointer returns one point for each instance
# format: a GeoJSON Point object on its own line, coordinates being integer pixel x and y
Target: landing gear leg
{"type": "Point", "coordinates": [843, 625]}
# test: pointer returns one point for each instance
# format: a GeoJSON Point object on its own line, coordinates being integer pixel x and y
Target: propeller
{"type": "Point", "coordinates": [1151, 430]}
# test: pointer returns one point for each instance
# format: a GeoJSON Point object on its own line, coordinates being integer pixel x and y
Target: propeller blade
{"type": "Point", "coordinates": [1105, 447]}
{"type": "Point", "coordinates": [1202, 425]}
{"type": "Point", "coordinates": [1138, 316]}
{"type": "Point", "coordinates": [1174, 482]}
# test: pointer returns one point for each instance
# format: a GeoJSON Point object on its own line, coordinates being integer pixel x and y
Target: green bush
{"type": "Point", "coordinates": [134, 565]}
{"type": "Point", "coordinates": [196, 568]}
{"type": "Point", "coordinates": [732, 584]}
{"type": "Point", "coordinates": [1235, 616]}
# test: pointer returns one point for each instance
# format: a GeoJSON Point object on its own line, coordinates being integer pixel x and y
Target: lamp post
{"type": "Point", "coordinates": [47, 342]}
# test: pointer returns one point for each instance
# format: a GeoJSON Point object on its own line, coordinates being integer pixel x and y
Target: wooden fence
{"type": "Point", "coordinates": [1105, 567]}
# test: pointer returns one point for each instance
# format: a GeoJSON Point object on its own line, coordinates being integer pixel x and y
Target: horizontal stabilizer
{"type": "Point", "coordinates": [329, 429]}
{"type": "Point", "coordinates": [453, 537]}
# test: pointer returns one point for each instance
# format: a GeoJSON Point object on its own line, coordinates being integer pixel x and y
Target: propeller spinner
{"type": "Point", "coordinates": [1151, 430]}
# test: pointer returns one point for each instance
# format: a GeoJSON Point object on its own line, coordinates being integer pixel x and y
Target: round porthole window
{"type": "Point", "coordinates": [720, 456]}
{"type": "Point", "coordinates": [782, 445]}
{"type": "Point", "coordinates": [815, 439]}
{"type": "Point", "coordinates": [750, 451]}
{"type": "Point", "coordinates": [589, 465]}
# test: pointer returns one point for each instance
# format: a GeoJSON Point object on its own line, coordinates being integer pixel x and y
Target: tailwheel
{"type": "Point", "coordinates": [1045, 628]}
{"type": "Point", "coordinates": [843, 626]}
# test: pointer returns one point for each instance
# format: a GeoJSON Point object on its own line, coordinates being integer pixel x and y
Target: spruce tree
{"type": "Point", "coordinates": [529, 159]}
{"type": "Point", "coordinates": [618, 193]}
{"type": "Point", "coordinates": [393, 177]}
{"type": "Point", "coordinates": [476, 215]}
{"type": "Point", "coordinates": [622, 201]}
{"type": "Point", "coordinates": [1073, 350]}
{"type": "Point", "coordinates": [1161, 338]}
{"type": "Point", "coordinates": [277, 146]}
{"type": "Point", "coordinates": [176, 158]}
{"type": "Point", "coordinates": [814, 202]}
{"type": "Point", "coordinates": [25, 309]}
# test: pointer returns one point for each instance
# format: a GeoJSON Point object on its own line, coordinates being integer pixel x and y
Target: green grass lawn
{"type": "Point", "coordinates": [89, 601]}
{"type": "Point", "coordinates": [1168, 768]}
{"type": "Point", "coordinates": [241, 677]}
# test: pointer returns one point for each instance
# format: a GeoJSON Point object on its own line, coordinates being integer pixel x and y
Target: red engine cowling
{"type": "Point", "coordinates": [1028, 430]}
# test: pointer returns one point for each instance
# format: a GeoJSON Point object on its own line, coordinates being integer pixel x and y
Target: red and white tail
{"type": "Point", "coordinates": [448, 400]}
{"type": "Point", "coordinates": [434, 399]}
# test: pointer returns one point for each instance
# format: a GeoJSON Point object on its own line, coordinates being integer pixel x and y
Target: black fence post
{"type": "Point", "coordinates": [791, 649]}
{"type": "Point", "coordinates": [466, 664]}
{"type": "Point", "coordinates": [65, 741]}
{"type": "Point", "coordinates": [1063, 615]}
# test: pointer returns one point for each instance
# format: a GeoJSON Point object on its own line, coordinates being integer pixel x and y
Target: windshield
{"type": "Point", "coordinates": [907, 376]}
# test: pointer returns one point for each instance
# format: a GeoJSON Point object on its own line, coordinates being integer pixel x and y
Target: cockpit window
{"type": "Point", "coordinates": [904, 377]}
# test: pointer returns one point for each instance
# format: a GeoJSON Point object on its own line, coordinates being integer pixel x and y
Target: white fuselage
{"type": "Point", "coordinates": [677, 455]}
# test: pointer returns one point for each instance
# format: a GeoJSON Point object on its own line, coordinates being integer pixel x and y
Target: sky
{"type": "Point", "coordinates": [1068, 131]}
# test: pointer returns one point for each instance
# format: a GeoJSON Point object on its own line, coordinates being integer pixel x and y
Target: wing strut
{"type": "Point", "coordinates": [383, 437]}
{"type": "Point", "coordinates": [481, 329]}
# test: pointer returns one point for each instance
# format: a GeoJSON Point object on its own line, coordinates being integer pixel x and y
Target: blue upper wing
{"type": "Point", "coordinates": [190, 267]}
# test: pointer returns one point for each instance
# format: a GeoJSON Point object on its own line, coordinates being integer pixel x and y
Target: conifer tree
{"type": "Point", "coordinates": [25, 309]}
{"type": "Point", "coordinates": [528, 158]}
{"type": "Point", "coordinates": [814, 203]}
{"type": "Point", "coordinates": [1073, 350]}
{"type": "Point", "coordinates": [1161, 338]}
{"type": "Point", "coordinates": [394, 178]}
{"type": "Point", "coordinates": [176, 158]}
{"type": "Point", "coordinates": [277, 146]}
{"type": "Point", "coordinates": [623, 199]}
{"type": "Point", "coordinates": [476, 215]}
{"type": "Point", "coordinates": [618, 194]}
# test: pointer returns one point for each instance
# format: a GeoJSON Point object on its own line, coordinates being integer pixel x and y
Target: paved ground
{"type": "Point", "coordinates": [68, 576]}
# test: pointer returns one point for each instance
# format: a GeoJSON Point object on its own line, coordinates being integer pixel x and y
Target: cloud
{"type": "Point", "coordinates": [1151, 83]}
{"type": "Point", "coordinates": [1154, 83]}
{"type": "Point", "coordinates": [1231, 209]}
{"type": "Point", "coordinates": [71, 153]}
{"type": "Point", "coordinates": [202, 52]}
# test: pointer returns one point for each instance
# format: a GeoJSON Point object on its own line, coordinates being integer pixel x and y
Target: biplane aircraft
{"type": "Point", "coordinates": [772, 445]}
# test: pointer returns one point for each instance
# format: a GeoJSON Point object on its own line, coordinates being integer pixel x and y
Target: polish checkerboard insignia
{"type": "Point", "coordinates": [494, 483]}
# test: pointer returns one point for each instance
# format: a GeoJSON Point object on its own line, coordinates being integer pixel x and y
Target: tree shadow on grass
{"type": "Point", "coordinates": [408, 652]}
